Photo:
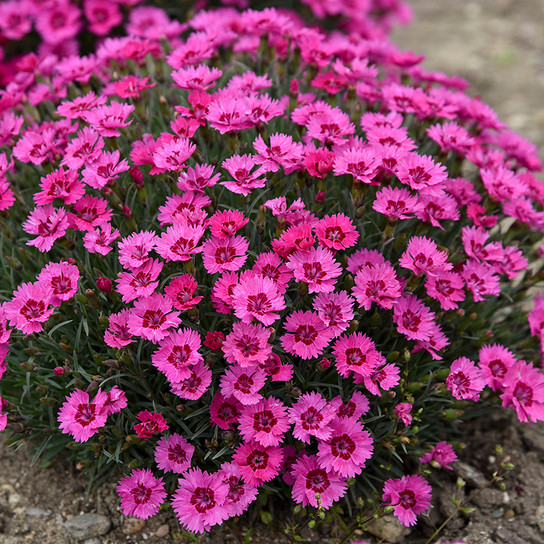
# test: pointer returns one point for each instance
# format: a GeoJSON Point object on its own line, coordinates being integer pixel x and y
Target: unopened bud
{"type": "Point", "coordinates": [104, 284]}
{"type": "Point", "coordinates": [137, 176]}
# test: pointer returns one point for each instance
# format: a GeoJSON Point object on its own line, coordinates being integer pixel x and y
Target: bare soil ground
{"type": "Point", "coordinates": [498, 45]}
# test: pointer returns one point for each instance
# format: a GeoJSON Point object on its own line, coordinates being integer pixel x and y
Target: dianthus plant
{"type": "Point", "coordinates": [255, 258]}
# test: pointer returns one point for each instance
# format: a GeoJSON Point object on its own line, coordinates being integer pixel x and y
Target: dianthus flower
{"type": "Point", "coordinates": [118, 334]}
{"type": "Point", "coordinates": [173, 454]}
{"type": "Point", "coordinates": [225, 411]}
{"type": "Point", "coordinates": [102, 16]}
{"type": "Point", "coordinates": [48, 224]}
{"type": "Point", "coordinates": [446, 288]}
{"type": "Point", "coordinates": [194, 386]}
{"type": "Point", "coordinates": [312, 415]}
{"type": "Point", "coordinates": [177, 353]}
{"type": "Point", "coordinates": [422, 256]}
{"type": "Point", "coordinates": [239, 167]}
{"type": "Point", "coordinates": [61, 183]}
{"type": "Point", "coordinates": [172, 155]}
{"type": "Point", "coordinates": [80, 416]}
{"type": "Point", "coordinates": [314, 485]}
{"type": "Point", "coordinates": [276, 370]}
{"type": "Point", "coordinates": [152, 316]}
{"type": "Point", "coordinates": [243, 383]}
{"type": "Point", "coordinates": [443, 454]}
{"type": "Point", "coordinates": [465, 380]}
{"type": "Point", "coordinates": [104, 169]}
{"type": "Point", "coordinates": [141, 493]}
{"type": "Point", "coordinates": [356, 352]}
{"type": "Point", "coordinates": [240, 494]}
{"type": "Point", "coordinates": [495, 361]}
{"type": "Point", "coordinates": [151, 423]}
{"type": "Point", "coordinates": [396, 203]}
{"type": "Point", "coordinates": [480, 279]}
{"type": "Point", "coordinates": [361, 163]}
{"type": "Point", "coordinates": [91, 212]}
{"type": "Point", "coordinates": [364, 257]}
{"type": "Point", "coordinates": [403, 411]}
{"type": "Point", "coordinates": [84, 148]}
{"type": "Point", "coordinates": [181, 291]}
{"type": "Point", "coordinates": [451, 137]}
{"type": "Point", "coordinates": [29, 307]}
{"type": "Point", "coordinates": [353, 409]}
{"type": "Point", "coordinates": [336, 232]}
{"type": "Point", "coordinates": [199, 78]}
{"type": "Point", "coordinates": [258, 463]}
{"type": "Point", "coordinates": [62, 279]}
{"type": "Point", "coordinates": [409, 496]}
{"type": "Point", "coordinates": [180, 242]}
{"type": "Point", "coordinates": [141, 283]}
{"type": "Point", "coordinates": [309, 335]}
{"type": "Point", "coordinates": [335, 310]}
{"type": "Point", "coordinates": [107, 119]}
{"type": "Point", "coordinates": [421, 173]}
{"type": "Point", "coordinates": [265, 422]}
{"type": "Point", "coordinates": [413, 318]}
{"type": "Point", "coordinates": [315, 267]}
{"type": "Point", "coordinates": [330, 126]}
{"type": "Point", "coordinates": [378, 284]}
{"type": "Point", "coordinates": [257, 297]}
{"type": "Point", "coordinates": [247, 345]}
{"type": "Point", "coordinates": [523, 387]}
{"type": "Point", "coordinates": [347, 450]}
{"type": "Point", "coordinates": [222, 254]}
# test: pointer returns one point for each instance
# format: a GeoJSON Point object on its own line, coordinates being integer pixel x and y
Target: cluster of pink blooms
{"type": "Point", "coordinates": [286, 302]}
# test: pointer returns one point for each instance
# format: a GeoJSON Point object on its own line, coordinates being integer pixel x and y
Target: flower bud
{"type": "Point", "coordinates": [58, 371]}
{"type": "Point", "coordinates": [137, 176]}
{"type": "Point", "coordinates": [214, 340]}
{"type": "Point", "coordinates": [104, 284]}
{"type": "Point", "coordinates": [320, 197]}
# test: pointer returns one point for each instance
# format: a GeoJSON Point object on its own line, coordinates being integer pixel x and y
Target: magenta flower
{"type": "Point", "coordinates": [421, 173]}
{"type": "Point", "coordinates": [199, 78]}
{"type": "Point", "coordinates": [194, 386]}
{"type": "Point", "coordinates": [107, 119]}
{"type": "Point", "coordinates": [524, 390]}
{"type": "Point", "coordinates": [258, 463]}
{"type": "Point", "coordinates": [422, 256]}
{"type": "Point", "coordinates": [243, 383]}
{"type": "Point", "coordinates": [265, 422]}
{"type": "Point", "coordinates": [98, 240]}
{"type": "Point", "coordinates": [117, 400]}
{"type": "Point", "coordinates": [141, 493]}
{"type": "Point", "coordinates": [173, 454]}
{"type": "Point", "coordinates": [403, 411]}
{"type": "Point", "coordinates": [356, 352]}
{"type": "Point", "coordinates": [104, 169]}
{"type": "Point", "coordinates": [200, 500]}
{"type": "Point", "coordinates": [495, 361]}
{"type": "Point", "coordinates": [257, 297]}
{"type": "Point", "coordinates": [330, 125]}
{"type": "Point", "coordinates": [244, 180]}
{"type": "Point", "coordinates": [181, 291]}
{"type": "Point", "coordinates": [309, 335]}
{"type": "Point", "coordinates": [409, 496]}
{"type": "Point", "coordinates": [413, 318]}
{"type": "Point", "coordinates": [197, 178]}
{"type": "Point", "coordinates": [61, 183]}
{"type": "Point", "coordinates": [347, 450]}
{"type": "Point", "coordinates": [354, 408]}
{"type": "Point", "coordinates": [29, 307]}
{"type": "Point", "coordinates": [118, 334]}
{"type": "Point", "coordinates": [151, 423]}
{"type": "Point", "coordinates": [240, 494]}
{"type": "Point", "coordinates": [171, 156]}
{"type": "Point", "coordinates": [395, 202]}
{"type": "Point", "coordinates": [81, 417]}
{"type": "Point", "coordinates": [361, 163]}
{"type": "Point", "coordinates": [447, 288]}
{"type": "Point", "coordinates": [224, 412]}
{"type": "Point", "coordinates": [141, 283]}
{"type": "Point", "coordinates": [177, 352]}
{"type": "Point", "coordinates": [62, 279]}
{"type": "Point", "coordinates": [152, 316]}
{"type": "Point", "coordinates": [480, 279]}
{"type": "Point", "coordinates": [465, 380]}
{"type": "Point", "coordinates": [336, 232]}
{"type": "Point", "coordinates": [379, 284]}
{"type": "Point", "coordinates": [282, 149]}
{"type": "Point", "coordinates": [311, 415]}
{"type": "Point", "coordinates": [316, 267]}
{"type": "Point", "coordinates": [315, 486]}
{"type": "Point", "coordinates": [91, 212]}
{"type": "Point", "coordinates": [443, 454]}
{"type": "Point", "coordinates": [247, 345]}
{"type": "Point", "coordinates": [180, 242]}
{"type": "Point", "coordinates": [335, 310]}
{"type": "Point", "coordinates": [223, 224]}
{"type": "Point", "coordinates": [224, 254]}
{"type": "Point", "coordinates": [48, 224]}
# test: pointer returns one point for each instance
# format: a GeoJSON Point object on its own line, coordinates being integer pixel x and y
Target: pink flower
{"type": "Point", "coordinates": [29, 307]}
{"type": "Point", "coordinates": [102, 16]}
{"type": "Point", "coordinates": [141, 493]}
{"type": "Point", "coordinates": [181, 292]}
{"type": "Point", "coordinates": [177, 353]}
{"type": "Point", "coordinates": [465, 380]}
{"type": "Point", "coordinates": [281, 151]}
{"type": "Point", "coordinates": [354, 408]}
{"type": "Point", "coordinates": [91, 212]}
{"type": "Point", "coordinates": [117, 400]}
{"type": "Point", "coordinates": [180, 242]}
{"type": "Point", "coordinates": [118, 334]}
{"type": "Point", "coordinates": [200, 500]}
{"type": "Point", "coordinates": [413, 318]}
{"type": "Point", "coordinates": [312, 415]}
{"type": "Point", "coordinates": [257, 297]}
{"type": "Point", "coordinates": [395, 203]}
{"type": "Point", "coordinates": [356, 352]}
{"type": "Point", "coordinates": [385, 377]}
{"type": "Point", "coordinates": [335, 310]}
{"type": "Point", "coordinates": [99, 239]}
{"type": "Point", "coordinates": [347, 450]}
{"type": "Point", "coordinates": [451, 137]}
{"type": "Point", "coordinates": [151, 423]}
{"type": "Point", "coordinates": [361, 163]}
{"type": "Point", "coordinates": [447, 288]}
{"type": "Point", "coordinates": [247, 345]}
{"type": "Point", "coordinates": [134, 249]}
{"type": "Point", "coordinates": [152, 316]}
{"type": "Point", "coordinates": [443, 454]}
{"type": "Point", "coordinates": [107, 119]}
{"type": "Point", "coordinates": [226, 223]}
{"type": "Point", "coordinates": [129, 86]}
{"type": "Point", "coordinates": [480, 279]}
{"type": "Point", "coordinates": [422, 256]}
{"type": "Point", "coordinates": [524, 390]}
{"type": "Point", "coordinates": [314, 486]}
{"type": "Point", "coordinates": [409, 496]}
{"type": "Point", "coordinates": [61, 183]}
{"type": "Point", "coordinates": [222, 254]}
{"type": "Point", "coordinates": [224, 412]}
{"type": "Point", "coordinates": [197, 178]}
{"type": "Point", "coordinates": [364, 257]}
{"type": "Point", "coordinates": [243, 383]}
{"type": "Point", "coordinates": [378, 284]}
{"type": "Point", "coordinates": [240, 493]}
{"type": "Point", "coordinates": [104, 169]}
{"type": "Point", "coordinates": [214, 340]}
{"type": "Point", "coordinates": [140, 283]}
{"type": "Point", "coordinates": [316, 267]}
{"type": "Point", "coordinates": [199, 78]}
{"type": "Point", "coordinates": [171, 155]}
{"type": "Point", "coordinates": [421, 173]}
{"type": "Point", "coordinates": [62, 279]}
{"type": "Point", "coordinates": [309, 335]}
{"type": "Point", "coordinates": [239, 167]}
{"type": "Point", "coordinates": [173, 454]}
{"type": "Point", "coordinates": [81, 417]}
{"type": "Point", "coordinates": [74, 109]}
{"type": "Point", "coordinates": [58, 23]}
{"type": "Point", "coordinates": [330, 126]}
{"type": "Point", "coordinates": [193, 387]}
{"type": "Point", "coordinates": [258, 464]}
{"type": "Point", "coordinates": [495, 361]}
{"type": "Point", "coordinates": [276, 370]}
{"type": "Point", "coordinates": [48, 223]}
{"type": "Point", "coordinates": [336, 232]}
{"type": "Point", "coordinates": [403, 410]}
{"type": "Point", "coordinates": [265, 422]}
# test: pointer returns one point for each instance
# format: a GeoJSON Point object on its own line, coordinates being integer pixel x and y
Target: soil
{"type": "Point", "coordinates": [498, 46]}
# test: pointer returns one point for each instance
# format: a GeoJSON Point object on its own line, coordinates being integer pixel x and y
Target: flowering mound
{"type": "Point", "coordinates": [261, 259]}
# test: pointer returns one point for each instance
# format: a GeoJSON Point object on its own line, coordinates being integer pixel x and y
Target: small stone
{"type": "Point", "coordinates": [162, 531]}
{"type": "Point", "coordinates": [92, 541]}
{"type": "Point", "coordinates": [37, 512]}
{"type": "Point", "coordinates": [87, 526]}
{"type": "Point", "coordinates": [539, 514]}
{"type": "Point", "coordinates": [14, 498]}
{"type": "Point", "coordinates": [389, 529]}
{"type": "Point", "coordinates": [509, 538]}
{"type": "Point", "coordinates": [470, 474]}
{"type": "Point", "coordinates": [509, 514]}
{"type": "Point", "coordinates": [133, 525]}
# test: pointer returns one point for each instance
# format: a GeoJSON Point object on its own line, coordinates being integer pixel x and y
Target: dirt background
{"type": "Point", "coordinates": [498, 45]}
